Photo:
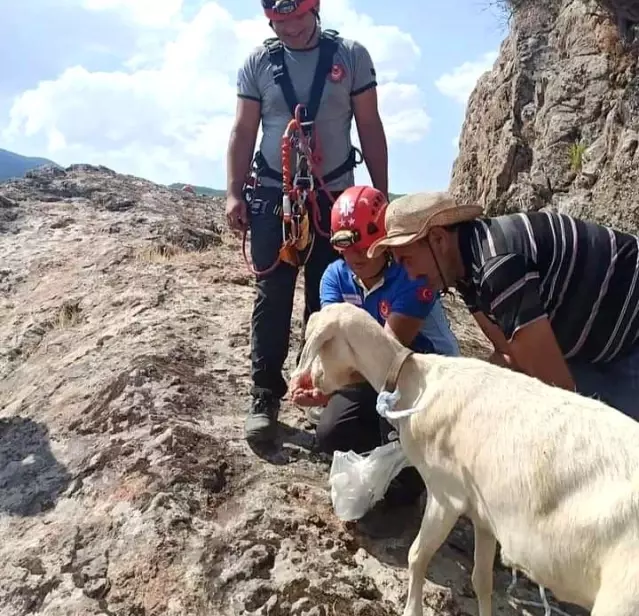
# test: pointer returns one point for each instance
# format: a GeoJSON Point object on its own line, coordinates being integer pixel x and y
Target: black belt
{"type": "Point", "coordinates": [268, 172]}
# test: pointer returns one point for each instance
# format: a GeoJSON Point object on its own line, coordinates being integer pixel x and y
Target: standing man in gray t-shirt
{"type": "Point", "coordinates": [274, 77]}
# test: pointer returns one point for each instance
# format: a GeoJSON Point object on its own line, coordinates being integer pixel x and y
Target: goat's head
{"type": "Point", "coordinates": [327, 354]}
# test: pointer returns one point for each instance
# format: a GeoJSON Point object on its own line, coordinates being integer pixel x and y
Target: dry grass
{"type": "Point", "coordinates": [162, 253]}
{"type": "Point", "coordinates": [614, 12]}
{"type": "Point", "coordinates": [508, 8]}
{"type": "Point", "coordinates": [159, 253]}
{"type": "Point", "coordinates": [576, 153]}
{"type": "Point", "coordinates": [68, 315]}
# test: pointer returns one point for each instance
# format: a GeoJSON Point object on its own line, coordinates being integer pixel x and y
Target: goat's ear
{"type": "Point", "coordinates": [320, 328]}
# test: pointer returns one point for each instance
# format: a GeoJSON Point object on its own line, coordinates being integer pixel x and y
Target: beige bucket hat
{"type": "Point", "coordinates": [410, 218]}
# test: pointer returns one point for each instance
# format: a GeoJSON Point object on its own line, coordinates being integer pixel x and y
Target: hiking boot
{"type": "Point", "coordinates": [261, 422]}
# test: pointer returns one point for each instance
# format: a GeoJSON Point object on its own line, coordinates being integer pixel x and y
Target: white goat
{"type": "Point", "coordinates": [551, 475]}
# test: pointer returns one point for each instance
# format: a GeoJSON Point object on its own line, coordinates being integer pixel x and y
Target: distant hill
{"type": "Point", "coordinates": [201, 190]}
{"type": "Point", "coordinates": [14, 165]}
{"type": "Point", "coordinates": [215, 192]}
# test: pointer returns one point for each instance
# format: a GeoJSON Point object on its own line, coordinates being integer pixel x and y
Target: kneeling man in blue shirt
{"type": "Point", "coordinates": [409, 309]}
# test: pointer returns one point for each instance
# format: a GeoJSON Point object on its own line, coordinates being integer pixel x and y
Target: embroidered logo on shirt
{"type": "Point", "coordinates": [384, 308]}
{"type": "Point", "coordinates": [352, 298]}
{"type": "Point", "coordinates": [424, 294]}
{"type": "Point", "coordinates": [337, 73]}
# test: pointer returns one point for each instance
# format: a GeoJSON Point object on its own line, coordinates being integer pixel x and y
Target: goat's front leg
{"type": "Point", "coordinates": [439, 519]}
{"type": "Point", "coordinates": [485, 548]}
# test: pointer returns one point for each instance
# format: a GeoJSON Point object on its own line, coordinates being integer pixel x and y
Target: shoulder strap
{"type": "Point", "coordinates": [327, 49]}
{"type": "Point", "coordinates": [331, 34]}
{"type": "Point", "coordinates": [275, 49]}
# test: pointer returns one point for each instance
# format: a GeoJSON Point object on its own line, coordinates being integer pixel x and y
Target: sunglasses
{"type": "Point", "coordinates": [283, 7]}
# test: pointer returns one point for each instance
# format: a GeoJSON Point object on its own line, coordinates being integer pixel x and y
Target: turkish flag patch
{"type": "Point", "coordinates": [338, 72]}
{"type": "Point", "coordinates": [424, 294]}
{"type": "Point", "coordinates": [384, 308]}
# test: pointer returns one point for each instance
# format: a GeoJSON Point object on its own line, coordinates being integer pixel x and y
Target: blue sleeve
{"type": "Point", "coordinates": [330, 292]}
{"type": "Point", "coordinates": [414, 298]}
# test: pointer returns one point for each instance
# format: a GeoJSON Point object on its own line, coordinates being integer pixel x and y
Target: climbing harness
{"type": "Point", "coordinates": [299, 198]}
{"type": "Point", "coordinates": [300, 142]}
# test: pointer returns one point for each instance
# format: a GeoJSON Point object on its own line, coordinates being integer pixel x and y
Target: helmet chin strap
{"type": "Point", "coordinates": [381, 271]}
{"type": "Point", "coordinates": [439, 269]}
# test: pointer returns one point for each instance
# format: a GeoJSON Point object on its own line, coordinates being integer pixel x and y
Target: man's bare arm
{"type": "Point", "coordinates": [241, 145]}
{"type": "Point", "coordinates": [372, 137]}
{"type": "Point", "coordinates": [536, 351]}
{"type": "Point", "coordinates": [533, 350]}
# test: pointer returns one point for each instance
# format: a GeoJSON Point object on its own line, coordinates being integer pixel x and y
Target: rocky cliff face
{"type": "Point", "coordinates": [556, 122]}
{"type": "Point", "coordinates": [126, 488]}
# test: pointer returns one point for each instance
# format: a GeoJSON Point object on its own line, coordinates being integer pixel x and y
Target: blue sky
{"type": "Point", "coordinates": [147, 86]}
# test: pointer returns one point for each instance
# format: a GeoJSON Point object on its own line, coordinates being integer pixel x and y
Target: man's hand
{"type": "Point", "coordinates": [238, 160]}
{"type": "Point", "coordinates": [304, 394]}
{"type": "Point", "coordinates": [309, 397]}
{"type": "Point", "coordinates": [236, 213]}
{"type": "Point", "coordinates": [503, 360]}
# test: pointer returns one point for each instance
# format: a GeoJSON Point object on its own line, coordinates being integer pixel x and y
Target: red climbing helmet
{"type": "Point", "coordinates": [281, 10]}
{"type": "Point", "coordinates": [357, 218]}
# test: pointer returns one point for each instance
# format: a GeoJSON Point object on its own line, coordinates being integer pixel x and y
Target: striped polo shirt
{"type": "Point", "coordinates": [582, 276]}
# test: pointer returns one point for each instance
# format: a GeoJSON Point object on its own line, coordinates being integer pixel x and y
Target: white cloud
{"type": "Point", "coordinates": [460, 82]}
{"type": "Point", "coordinates": [166, 112]}
{"type": "Point", "coordinates": [153, 13]}
{"type": "Point", "coordinates": [402, 107]}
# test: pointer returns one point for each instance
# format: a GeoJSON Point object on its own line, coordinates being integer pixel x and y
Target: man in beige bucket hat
{"type": "Point", "coordinates": [557, 296]}
{"type": "Point", "coordinates": [409, 218]}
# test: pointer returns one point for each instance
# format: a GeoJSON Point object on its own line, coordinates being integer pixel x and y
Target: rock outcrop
{"type": "Point", "coordinates": [126, 487]}
{"type": "Point", "coordinates": [556, 121]}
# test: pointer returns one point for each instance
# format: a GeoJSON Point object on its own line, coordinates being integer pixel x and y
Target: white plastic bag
{"type": "Point", "coordinates": [359, 481]}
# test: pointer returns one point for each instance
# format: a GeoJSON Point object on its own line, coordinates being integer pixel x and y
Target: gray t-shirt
{"type": "Point", "coordinates": [353, 72]}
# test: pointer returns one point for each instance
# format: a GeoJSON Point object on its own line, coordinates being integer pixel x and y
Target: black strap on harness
{"type": "Point", "coordinates": [261, 167]}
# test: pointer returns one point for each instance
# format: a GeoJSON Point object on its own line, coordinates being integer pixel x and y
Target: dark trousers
{"type": "Point", "coordinates": [273, 305]}
{"type": "Point", "coordinates": [350, 421]}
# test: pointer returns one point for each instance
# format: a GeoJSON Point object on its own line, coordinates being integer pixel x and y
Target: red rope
{"type": "Point", "coordinates": [315, 158]}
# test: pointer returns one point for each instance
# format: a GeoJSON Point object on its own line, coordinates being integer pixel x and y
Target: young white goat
{"type": "Point", "coordinates": [552, 476]}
